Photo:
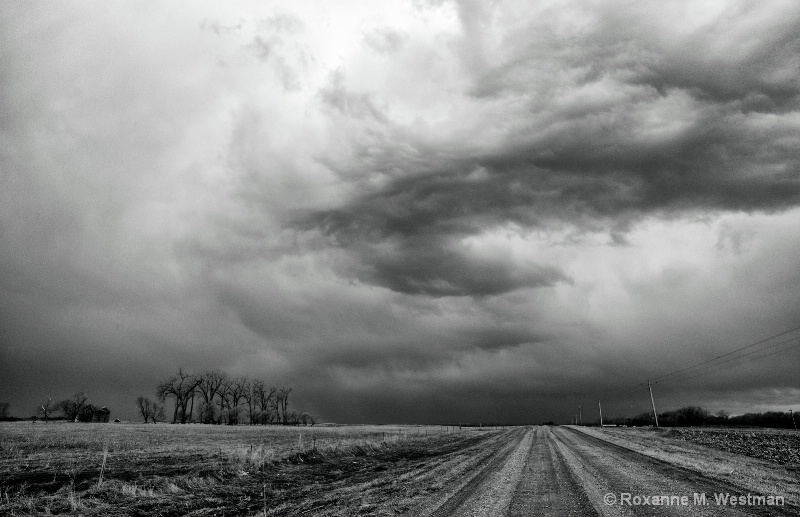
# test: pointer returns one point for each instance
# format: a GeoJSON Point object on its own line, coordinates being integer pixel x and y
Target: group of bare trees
{"type": "Point", "coordinates": [75, 409]}
{"type": "Point", "coordinates": [150, 410]}
{"type": "Point", "coordinates": [213, 397]}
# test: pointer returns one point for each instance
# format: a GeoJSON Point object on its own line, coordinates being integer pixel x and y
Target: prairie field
{"type": "Point", "coordinates": [427, 471]}
{"type": "Point", "coordinates": [164, 469]}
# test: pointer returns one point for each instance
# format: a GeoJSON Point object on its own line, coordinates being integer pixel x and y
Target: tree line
{"type": "Point", "coordinates": [75, 409]}
{"type": "Point", "coordinates": [689, 416]}
{"type": "Point", "coordinates": [214, 397]}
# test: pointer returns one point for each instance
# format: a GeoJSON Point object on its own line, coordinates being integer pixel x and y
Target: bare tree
{"type": "Point", "coordinates": [180, 386]}
{"type": "Point", "coordinates": [150, 409]}
{"type": "Point", "coordinates": [145, 406]}
{"type": "Point", "coordinates": [282, 399]}
{"type": "Point", "coordinates": [191, 406]}
{"type": "Point", "coordinates": [231, 395]}
{"type": "Point", "coordinates": [157, 412]}
{"type": "Point", "coordinates": [251, 399]}
{"type": "Point", "coordinates": [266, 401]}
{"type": "Point", "coordinates": [211, 383]}
{"type": "Point", "coordinates": [270, 408]}
{"type": "Point", "coordinates": [72, 407]}
{"type": "Point", "coordinates": [259, 400]}
{"type": "Point", "coordinates": [307, 419]}
{"type": "Point", "coordinates": [293, 418]}
{"type": "Point", "coordinates": [46, 408]}
{"type": "Point", "coordinates": [4, 409]}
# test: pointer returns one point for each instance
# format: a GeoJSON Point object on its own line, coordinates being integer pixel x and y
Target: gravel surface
{"type": "Point", "coordinates": [476, 493]}
{"type": "Point", "coordinates": [605, 468]}
{"type": "Point", "coordinates": [493, 497]}
{"type": "Point", "coordinates": [560, 471]}
{"type": "Point", "coordinates": [547, 486]}
{"type": "Point", "coordinates": [462, 473]}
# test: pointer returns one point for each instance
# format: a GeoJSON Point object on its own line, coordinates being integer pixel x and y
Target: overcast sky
{"type": "Point", "coordinates": [410, 211]}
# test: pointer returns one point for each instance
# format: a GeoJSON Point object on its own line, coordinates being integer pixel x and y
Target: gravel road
{"type": "Point", "coordinates": [560, 471]}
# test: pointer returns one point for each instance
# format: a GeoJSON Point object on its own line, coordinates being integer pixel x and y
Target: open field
{"type": "Point", "coordinates": [780, 446]}
{"type": "Point", "coordinates": [184, 469]}
{"type": "Point", "coordinates": [136, 469]}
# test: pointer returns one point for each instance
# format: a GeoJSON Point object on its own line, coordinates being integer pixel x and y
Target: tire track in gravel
{"type": "Point", "coordinates": [547, 486]}
{"type": "Point", "coordinates": [489, 491]}
{"type": "Point", "coordinates": [602, 467]}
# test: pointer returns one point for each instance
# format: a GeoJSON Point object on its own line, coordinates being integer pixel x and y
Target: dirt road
{"type": "Point", "coordinates": [562, 471]}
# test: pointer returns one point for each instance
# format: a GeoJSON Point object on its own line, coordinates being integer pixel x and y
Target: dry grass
{"type": "Point", "coordinates": [138, 469]}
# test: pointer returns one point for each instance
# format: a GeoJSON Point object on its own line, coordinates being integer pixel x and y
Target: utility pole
{"type": "Point", "coordinates": [580, 416]}
{"type": "Point", "coordinates": [650, 389]}
{"type": "Point", "coordinates": [793, 422]}
{"type": "Point", "coordinates": [601, 413]}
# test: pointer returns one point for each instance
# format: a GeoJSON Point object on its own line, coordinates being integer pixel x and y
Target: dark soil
{"type": "Point", "coordinates": [781, 447]}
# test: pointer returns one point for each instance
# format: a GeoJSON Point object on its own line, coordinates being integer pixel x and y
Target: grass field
{"type": "Point", "coordinates": [140, 469]}
{"type": "Point", "coordinates": [335, 471]}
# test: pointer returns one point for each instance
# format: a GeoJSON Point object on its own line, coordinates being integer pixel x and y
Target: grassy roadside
{"type": "Point", "coordinates": [753, 475]}
{"type": "Point", "coordinates": [364, 471]}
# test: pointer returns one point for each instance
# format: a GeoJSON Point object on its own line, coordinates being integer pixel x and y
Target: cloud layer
{"type": "Point", "coordinates": [418, 211]}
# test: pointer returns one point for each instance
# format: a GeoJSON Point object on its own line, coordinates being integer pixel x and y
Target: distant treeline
{"type": "Point", "coordinates": [696, 416]}
{"type": "Point", "coordinates": [210, 397]}
{"type": "Point", "coordinates": [75, 409]}
{"type": "Point", "coordinates": [213, 397]}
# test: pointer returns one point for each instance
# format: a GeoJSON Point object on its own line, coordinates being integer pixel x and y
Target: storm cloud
{"type": "Point", "coordinates": [419, 211]}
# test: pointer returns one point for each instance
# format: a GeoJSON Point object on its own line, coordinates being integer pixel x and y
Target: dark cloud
{"type": "Point", "coordinates": [406, 237]}
{"type": "Point", "coordinates": [467, 211]}
{"type": "Point", "coordinates": [716, 161]}
{"type": "Point", "coordinates": [425, 266]}
{"type": "Point", "coordinates": [407, 231]}
{"type": "Point", "coordinates": [428, 267]}
{"type": "Point", "coordinates": [725, 61]}
{"type": "Point", "coordinates": [643, 122]}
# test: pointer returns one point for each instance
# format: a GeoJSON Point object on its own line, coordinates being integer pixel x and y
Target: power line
{"type": "Point", "coordinates": [631, 388]}
{"type": "Point", "coordinates": [710, 365]}
{"type": "Point", "coordinates": [726, 354]}
{"type": "Point", "coordinates": [708, 368]}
